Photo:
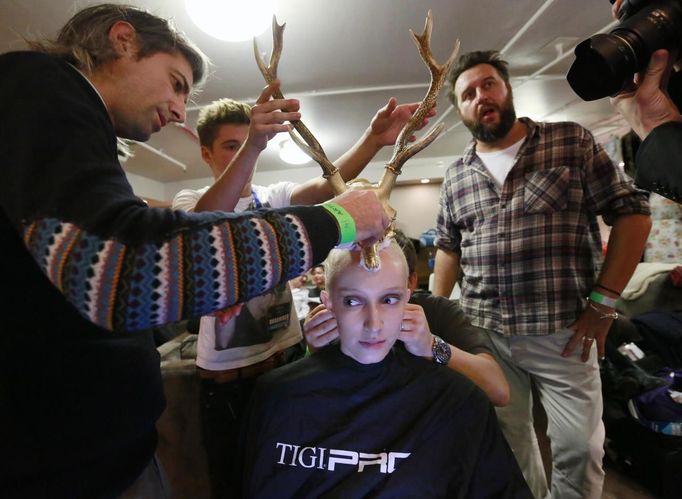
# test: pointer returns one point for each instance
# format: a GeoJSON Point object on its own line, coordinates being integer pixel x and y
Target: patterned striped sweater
{"type": "Point", "coordinates": [194, 272]}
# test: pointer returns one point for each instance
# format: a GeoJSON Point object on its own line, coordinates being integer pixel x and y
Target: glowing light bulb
{"type": "Point", "coordinates": [231, 20]}
{"type": "Point", "coordinates": [291, 153]}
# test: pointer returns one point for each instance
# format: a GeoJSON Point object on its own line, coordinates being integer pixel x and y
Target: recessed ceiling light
{"type": "Point", "coordinates": [231, 20]}
{"type": "Point", "coordinates": [425, 181]}
{"type": "Point", "coordinates": [290, 153]}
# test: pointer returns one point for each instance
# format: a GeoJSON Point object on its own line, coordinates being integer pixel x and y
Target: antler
{"type": "Point", "coordinates": [307, 140]}
{"type": "Point", "coordinates": [401, 151]}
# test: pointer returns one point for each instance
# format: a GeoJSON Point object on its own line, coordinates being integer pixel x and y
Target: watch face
{"type": "Point", "coordinates": [441, 351]}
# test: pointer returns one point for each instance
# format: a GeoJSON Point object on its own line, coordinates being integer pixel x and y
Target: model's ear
{"type": "Point", "coordinates": [412, 281]}
{"type": "Point", "coordinates": [122, 38]}
{"type": "Point", "coordinates": [326, 301]}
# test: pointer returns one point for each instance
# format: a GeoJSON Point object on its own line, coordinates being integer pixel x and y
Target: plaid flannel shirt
{"type": "Point", "coordinates": [530, 253]}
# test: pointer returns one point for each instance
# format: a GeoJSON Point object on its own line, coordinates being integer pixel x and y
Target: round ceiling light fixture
{"type": "Point", "coordinates": [290, 153]}
{"type": "Point", "coordinates": [231, 20]}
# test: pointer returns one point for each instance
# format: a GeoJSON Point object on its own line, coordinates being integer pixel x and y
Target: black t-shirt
{"type": "Point", "coordinates": [328, 426]}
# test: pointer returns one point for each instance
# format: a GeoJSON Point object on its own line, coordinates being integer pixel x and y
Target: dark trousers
{"type": "Point", "coordinates": [222, 410]}
{"type": "Point", "coordinates": [151, 484]}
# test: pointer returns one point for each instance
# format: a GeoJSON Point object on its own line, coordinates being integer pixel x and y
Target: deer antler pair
{"type": "Point", "coordinates": [402, 151]}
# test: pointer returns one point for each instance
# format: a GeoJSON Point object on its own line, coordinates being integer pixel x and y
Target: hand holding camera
{"type": "Point", "coordinates": [634, 65]}
{"type": "Point", "coordinates": [606, 63]}
{"type": "Point", "coordinates": [647, 104]}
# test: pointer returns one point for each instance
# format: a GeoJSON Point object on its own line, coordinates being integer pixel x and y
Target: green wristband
{"type": "Point", "coordinates": [344, 221]}
{"type": "Point", "coordinates": [602, 300]}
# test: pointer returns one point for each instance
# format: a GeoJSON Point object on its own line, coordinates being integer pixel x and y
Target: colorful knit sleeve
{"type": "Point", "coordinates": [194, 271]}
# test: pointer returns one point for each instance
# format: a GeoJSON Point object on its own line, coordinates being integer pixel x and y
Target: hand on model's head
{"type": "Point", "coordinates": [646, 104]}
{"type": "Point", "coordinates": [270, 116]}
{"type": "Point", "coordinates": [371, 221]}
{"type": "Point", "coordinates": [415, 332]}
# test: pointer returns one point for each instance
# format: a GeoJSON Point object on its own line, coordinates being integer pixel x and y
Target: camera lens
{"type": "Point", "coordinates": [606, 63]}
{"type": "Point", "coordinates": [602, 65]}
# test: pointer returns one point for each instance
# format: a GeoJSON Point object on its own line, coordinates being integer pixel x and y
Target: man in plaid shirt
{"type": "Point", "coordinates": [518, 218]}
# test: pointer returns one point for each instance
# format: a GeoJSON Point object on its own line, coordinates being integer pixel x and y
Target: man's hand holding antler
{"type": "Point", "coordinates": [390, 120]}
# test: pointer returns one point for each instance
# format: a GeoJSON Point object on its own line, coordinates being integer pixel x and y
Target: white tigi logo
{"type": "Point", "coordinates": [327, 459]}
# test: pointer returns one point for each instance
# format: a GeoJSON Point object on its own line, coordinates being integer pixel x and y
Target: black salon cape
{"type": "Point", "coordinates": [404, 404]}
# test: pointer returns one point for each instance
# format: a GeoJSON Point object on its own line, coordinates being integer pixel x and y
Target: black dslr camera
{"type": "Point", "coordinates": [606, 63]}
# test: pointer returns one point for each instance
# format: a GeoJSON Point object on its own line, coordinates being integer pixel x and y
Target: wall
{"type": "Point", "coordinates": [417, 207]}
{"type": "Point", "coordinates": [147, 188]}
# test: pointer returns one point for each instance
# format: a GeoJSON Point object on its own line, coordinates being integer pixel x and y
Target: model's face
{"type": "Point", "coordinates": [485, 103]}
{"type": "Point", "coordinates": [317, 276]}
{"type": "Point", "coordinates": [369, 307]}
{"type": "Point", "coordinates": [227, 142]}
{"type": "Point", "coordinates": [148, 93]}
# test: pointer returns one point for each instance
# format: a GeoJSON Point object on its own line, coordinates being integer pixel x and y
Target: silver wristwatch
{"type": "Point", "coordinates": [441, 350]}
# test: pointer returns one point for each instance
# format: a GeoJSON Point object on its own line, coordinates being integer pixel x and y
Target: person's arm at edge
{"type": "Point", "coordinates": [267, 119]}
{"type": "Point", "coordinates": [484, 371]}
{"type": "Point", "coordinates": [418, 337]}
{"type": "Point", "coordinates": [445, 272]}
{"type": "Point", "coordinates": [125, 277]}
{"type": "Point", "coordinates": [624, 251]}
{"type": "Point", "coordinates": [225, 192]}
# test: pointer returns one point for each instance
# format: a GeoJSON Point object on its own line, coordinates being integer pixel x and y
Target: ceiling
{"type": "Point", "coordinates": [345, 58]}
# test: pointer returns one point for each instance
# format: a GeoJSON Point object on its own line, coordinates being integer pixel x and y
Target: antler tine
{"type": "Point", "coordinates": [330, 172]}
{"type": "Point", "coordinates": [401, 151]}
{"type": "Point", "coordinates": [307, 141]}
{"type": "Point", "coordinates": [270, 71]}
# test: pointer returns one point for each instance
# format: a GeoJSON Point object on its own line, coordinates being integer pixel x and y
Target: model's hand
{"type": "Point", "coordinates": [320, 328]}
{"type": "Point", "coordinates": [269, 117]}
{"type": "Point", "coordinates": [647, 104]}
{"type": "Point", "coordinates": [589, 328]}
{"type": "Point", "coordinates": [368, 213]}
{"type": "Point", "coordinates": [390, 119]}
{"type": "Point", "coordinates": [415, 332]}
